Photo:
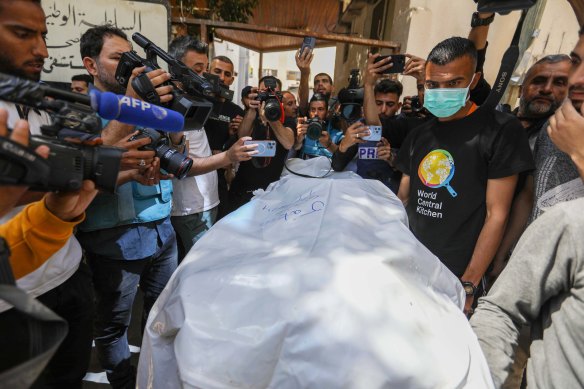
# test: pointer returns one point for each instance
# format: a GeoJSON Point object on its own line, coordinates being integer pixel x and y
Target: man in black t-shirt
{"type": "Point", "coordinates": [460, 168]}
{"type": "Point", "coordinates": [260, 172]}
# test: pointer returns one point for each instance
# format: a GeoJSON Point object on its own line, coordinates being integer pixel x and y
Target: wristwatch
{"type": "Point", "coordinates": [469, 288]}
{"type": "Point", "coordinates": [476, 21]}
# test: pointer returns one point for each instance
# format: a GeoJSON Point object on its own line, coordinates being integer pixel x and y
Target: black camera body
{"type": "Point", "coordinates": [69, 162]}
{"type": "Point", "coordinates": [170, 160]}
{"type": "Point", "coordinates": [416, 104]}
{"type": "Point", "coordinates": [195, 110]}
{"type": "Point", "coordinates": [315, 128]}
{"type": "Point", "coordinates": [351, 98]}
{"type": "Point", "coordinates": [273, 109]}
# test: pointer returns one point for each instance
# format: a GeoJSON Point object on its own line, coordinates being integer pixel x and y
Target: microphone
{"type": "Point", "coordinates": [108, 105]}
{"type": "Point", "coordinates": [136, 112]}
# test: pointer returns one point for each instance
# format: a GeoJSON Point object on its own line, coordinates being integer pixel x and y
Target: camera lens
{"type": "Point", "coordinates": [174, 162]}
{"type": "Point", "coordinates": [272, 110]}
{"type": "Point", "coordinates": [314, 130]}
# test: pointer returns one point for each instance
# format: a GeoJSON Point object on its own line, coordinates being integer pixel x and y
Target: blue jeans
{"type": "Point", "coordinates": [190, 228]}
{"type": "Point", "coordinates": [116, 283]}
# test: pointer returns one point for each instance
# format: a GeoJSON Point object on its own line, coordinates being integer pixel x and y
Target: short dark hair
{"type": "Point", "coordinates": [38, 2]}
{"type": "Point", "coordinates": [179, 47]}
{"type": "Point", "coordinates": [82, 77]}
{"type": "Point", "coordinates": [551, 59]}
{"type": "Point", "coordinates": [91, 41]}
{"type": "Point", "coordinates": [451, 49]}
{"type": "Point", "coordinates": [319, 97]}
{"type": "Point", "coordinates": [222, 58]}
{"type": "Point", "coordinates": [323, 74]}
{"type": "Point", "coordinates": [581, 32]}
{"type": "Point", "coordinates": [389, 86]}
{"type": "Point", "coordinates": [270, 77]}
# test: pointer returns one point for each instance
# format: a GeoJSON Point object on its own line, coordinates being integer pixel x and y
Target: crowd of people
{"type": "Point", "coordinates": [472, 180]}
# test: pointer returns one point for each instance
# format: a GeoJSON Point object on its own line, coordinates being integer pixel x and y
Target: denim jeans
{"type": "Point", "coordinates": [190, 228]}
{"type": "Point", "coordinates": [116, 283]}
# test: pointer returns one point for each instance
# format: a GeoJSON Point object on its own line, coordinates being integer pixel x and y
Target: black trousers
{"type": "Point", "coordinates": [73, 300]}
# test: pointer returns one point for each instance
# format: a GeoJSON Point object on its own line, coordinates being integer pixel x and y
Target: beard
{"type": "Point", "coordinates": [109, 82]}
{"type": "Point", "coordinates": [10, 68]}
{"type": "Point", "coordinates": [537, 109]}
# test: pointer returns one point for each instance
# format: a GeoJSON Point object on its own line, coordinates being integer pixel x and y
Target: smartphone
{"type": "Point", "coordinates": [398, 61]}
{"type": "Point", "coordinates": [308, 43]}
{"type": "Point", "coordinates": [266, 148]}
{"type": "Point", "coordinates": [375, 134]}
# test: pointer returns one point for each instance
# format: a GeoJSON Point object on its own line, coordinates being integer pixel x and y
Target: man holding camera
{"type": "Point", "coordinates": [460, 168]}
{"type": "Point", "coordinates": [127, 236]}
{"type": "Point", "coordinates": [197, 196]}
{"type": "Point", "coordinates": [263, 121]}
{"type": "Point", "coordinates": [315, 136]}
{"type": "Point", "coordinates": [59, 278]}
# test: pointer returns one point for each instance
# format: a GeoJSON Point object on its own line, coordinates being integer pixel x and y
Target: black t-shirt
{"type": "Point", "coordinates": [217, 126]}
{"type": "Point", "coordinates": [260, 172]}
{"type": "Point", "coordinates": [449, 164]}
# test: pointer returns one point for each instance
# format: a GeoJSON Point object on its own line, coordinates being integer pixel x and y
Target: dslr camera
{"type": "Point", "coordinates": [170, 160]}
{"type": "Point", "coordinates": [315, 128]}
{"type": "Point", "coordinates": [191, 99]}
{"type": "Point", "coordinates": [273, 110]}
{"type": "Point", "coordinates": [69, 162]}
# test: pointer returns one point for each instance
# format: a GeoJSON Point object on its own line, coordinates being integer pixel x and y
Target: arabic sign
{"type": "Point", "coordinates": [67, 20]}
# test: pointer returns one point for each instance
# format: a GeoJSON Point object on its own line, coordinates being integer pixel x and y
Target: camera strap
{"type": "Point", "coordinates": [507, 66]}
{"type": "Point", "coordinates": [22, 111]}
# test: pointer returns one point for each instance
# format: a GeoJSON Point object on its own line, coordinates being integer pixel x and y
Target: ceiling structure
{"type": "Point", "coordinates": [309, 15]}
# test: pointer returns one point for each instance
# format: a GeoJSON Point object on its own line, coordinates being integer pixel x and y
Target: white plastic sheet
{"type": "Point", "coordinates": [313, 284]}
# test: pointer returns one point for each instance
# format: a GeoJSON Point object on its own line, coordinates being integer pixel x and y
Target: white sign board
{"type": "Point", "coordinates": [67, 20]}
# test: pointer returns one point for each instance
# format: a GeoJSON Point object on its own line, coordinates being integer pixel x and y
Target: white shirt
{"type": "Point", "coordinates": [199, 193]}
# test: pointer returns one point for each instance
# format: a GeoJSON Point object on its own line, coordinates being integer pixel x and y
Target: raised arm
{"type": "Point", "coordinates": [303, 62]}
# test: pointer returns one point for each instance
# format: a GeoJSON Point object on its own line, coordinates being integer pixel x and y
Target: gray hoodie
{"type": "Point", "coordinates": [543, 285]}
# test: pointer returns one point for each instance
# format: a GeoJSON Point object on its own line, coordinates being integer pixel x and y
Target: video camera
{"type": "Point", "coordinates": [192, 94]}
{"type": "Point", "coordinates": [68, 163]}
{"type": "Point", "coordinates": [351, 98]}
{"type": "Point", "coordinates": [273, 110]}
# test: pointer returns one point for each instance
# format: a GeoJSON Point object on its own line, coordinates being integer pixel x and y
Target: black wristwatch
{"type": "Point", "coordinates": [476, 21]}
{"type": "Point", "coordinates": [469, 288]}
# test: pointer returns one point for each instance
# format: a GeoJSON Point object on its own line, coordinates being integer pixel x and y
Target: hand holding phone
{"type": "Point", "coordinates": [266, 148]}
{"type": "Point", "coordinates": [398, 61]}
{"type": "Point", "coordinates": [308, 43]}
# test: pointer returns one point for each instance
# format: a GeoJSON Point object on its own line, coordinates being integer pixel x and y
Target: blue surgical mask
{"type": "Point", "coordinates": [445, 102]}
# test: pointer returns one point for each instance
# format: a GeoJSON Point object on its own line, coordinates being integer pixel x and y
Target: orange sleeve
{"type": "Point", "coordinates": [34, 235]}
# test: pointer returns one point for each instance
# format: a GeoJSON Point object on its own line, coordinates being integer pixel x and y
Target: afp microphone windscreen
{"type": "Point", "coordinates": [136, 112]}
